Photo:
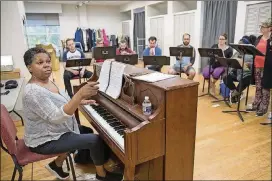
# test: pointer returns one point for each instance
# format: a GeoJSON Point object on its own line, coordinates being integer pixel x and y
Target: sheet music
{"type": "Point", "coordinates": [104, 76]}
{"type": "Point", "coordinates": [154, 77]}
{"type": "Point", "coordinates": [116, 79]}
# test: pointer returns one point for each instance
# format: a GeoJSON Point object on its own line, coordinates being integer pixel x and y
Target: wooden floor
{"type": "Point", "coordinates": [226, 148]}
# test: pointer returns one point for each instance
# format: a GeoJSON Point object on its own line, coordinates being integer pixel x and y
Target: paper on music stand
{"type": "Point", "coordinates": [154, 77]}
{"type": "Point", "coordinates": [104, 76]}
{"type": "Point", "coordinates": [115, 80]}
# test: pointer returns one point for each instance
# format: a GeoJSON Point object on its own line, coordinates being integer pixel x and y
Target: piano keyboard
{"type": "Point", "coordinates": [105, 119]}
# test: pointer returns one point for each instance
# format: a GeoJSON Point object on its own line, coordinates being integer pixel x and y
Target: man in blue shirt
{"type": "Point", "coordinates": [71, 72]}
{"type": "Point", "coordinates": [186, 62]}
{"type": "Point", "coordinates": [153, 50]}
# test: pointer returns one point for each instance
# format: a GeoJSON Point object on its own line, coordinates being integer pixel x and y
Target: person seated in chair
{"type": "Point", "coordinates": [124, 50]}
{"type": "Point", "coordinates": [236, 75]}
{"type": "Point", "coordinates": [50, 125]}
{"type": "Point", "coordinates": [99, 43]}
{"type": "Point", "coordinates": [69, 73]}
{"type": "Point", "coordinates": [186, 62]}
{"type": "Point", "coordinates": [153, 50]}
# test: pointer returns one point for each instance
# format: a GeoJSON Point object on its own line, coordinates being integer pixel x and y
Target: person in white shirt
{"type": "Point", "coordinates": [69, 72]}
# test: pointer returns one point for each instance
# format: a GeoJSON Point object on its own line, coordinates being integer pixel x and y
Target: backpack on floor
{"type": "Point", "coordinates": [83, 156]}
{"type": "Point", "coordinates": [224, 90]}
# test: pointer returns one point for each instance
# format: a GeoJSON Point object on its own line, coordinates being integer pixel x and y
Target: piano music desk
{"type": "Point", "coordinates": [156, 147]}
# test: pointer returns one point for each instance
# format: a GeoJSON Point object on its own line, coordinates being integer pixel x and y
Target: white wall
{"type": "Point", "coordinates": [105, 17]}
{"type": "Point", "coordinates": [93, 17]}
{"type": "Point", "coordinates": [32, 7]}
{"type": "Point", "coordinates": [136, 4]}
{"type": "Point", "coordinates": [69, 21]}
{"type": "Point", "coordinates": [13, 41]}
{"type": "Point", "coordinates": [241, 18]}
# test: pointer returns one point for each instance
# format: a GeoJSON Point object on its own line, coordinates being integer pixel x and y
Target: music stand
{"type": "Point", "coordinates": [243, 49]}
{"type": "Point", "coordinates": [104, 53]}
{"type": "Point", "coordinates": [229, 63]}
{"type": "Point", "coordinates": [210, 53]}
{"type": "Point", "coordinates": [156, 60]}
{"type": "Point", "coordinates": [181, 51]}
{"type": "Point", "coordinates": [127, 59]}
{"type": "Point", "coordinates": [79, 63]}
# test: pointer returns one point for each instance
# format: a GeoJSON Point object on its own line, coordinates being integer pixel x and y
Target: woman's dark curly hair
{"type": "Point", "coordinates": [31, 53]}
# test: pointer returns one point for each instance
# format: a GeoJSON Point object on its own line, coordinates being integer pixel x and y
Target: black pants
{"type": "Point", "coordinates": [67, 76]}
{"type": "Point", "coordinates": [229, 81]}
{"type": "Point", "coordinates": [70, 142]}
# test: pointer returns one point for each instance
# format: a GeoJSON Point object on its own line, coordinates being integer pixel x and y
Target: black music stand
{"type": "Point", "coordinates": [243, 49]}
{"type": "Point", "coordinates": [81, 62]}
{"type": "Point", "coordinates": [229, 63]}
{"type": "Point", "coordinates": [181, 51]}
{"type": "Point", "coordinates": [210, 53]}
{"type": "Point", "coordinates": [156, 60]}
{"type": "Point", "coordinates": [104, 53]}
{"type": "Point", "coordinates": [127, 59]}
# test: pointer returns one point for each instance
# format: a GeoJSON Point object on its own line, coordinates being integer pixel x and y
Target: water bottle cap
{"type": "Point", "coordinates": [146, 97]}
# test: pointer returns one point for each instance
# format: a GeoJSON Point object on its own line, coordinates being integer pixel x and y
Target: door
{"type": "Point", "coordinates": [184, 23]}
{"type": "Point", "coordinates": [157, 30]}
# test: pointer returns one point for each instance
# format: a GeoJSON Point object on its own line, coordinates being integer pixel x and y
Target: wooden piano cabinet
{"type": "Point", "coordinates": [143, 146]}
{"type": "Point", "coordinates": [181, 115]}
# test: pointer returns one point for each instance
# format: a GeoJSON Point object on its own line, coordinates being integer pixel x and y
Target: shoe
{"type": "Point", "coordinates": [110, 177]}
{"type": "Point", "coordinates": [259, 114]}
{"type": "Point", "coordinates": [57, 171]}
{"type": "Point", "coordinates": [269, 117]}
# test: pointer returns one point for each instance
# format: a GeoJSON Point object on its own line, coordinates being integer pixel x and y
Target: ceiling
{"type": "Point", "coordinates": [101, 2]}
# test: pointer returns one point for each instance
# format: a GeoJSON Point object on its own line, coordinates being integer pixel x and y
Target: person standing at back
{"type": "Point", "coordinates": [153, 50]}
{"type": "Point", "coordinates": [186, 62]}
{"type": "Point", "coordinates": [261, 101]}
{"type": "Point", "coordinates": [69, 73]}
{"type": "Point", "coordinates": [217, 70]}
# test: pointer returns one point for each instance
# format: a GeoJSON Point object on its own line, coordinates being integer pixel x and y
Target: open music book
{"type": "Point", "coordinates": [111, 77]}
{"type": "Point", "coordinates": [154, 77]}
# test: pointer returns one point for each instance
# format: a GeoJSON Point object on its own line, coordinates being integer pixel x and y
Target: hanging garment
{"type": "Point", "coordinates": [94, 34]}
{"type": "Point", "coordinates": [117, 42]}
{"type": "Point", "coordinates": [79, 37]}
{"type": "Point", "coordinates": [106, 40]}
{"type": "Point", "coordinates": [85, 49]}
{"type": "Point", "coordinates": [113, 40]}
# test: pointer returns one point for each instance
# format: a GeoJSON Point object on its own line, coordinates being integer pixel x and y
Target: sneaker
{"type": "Point", "coordinates": [57, 171]}
{"type": "Point", "coordinates": [259, 114]}
{"type": "Point", "coordinates": [269, 116]}
{"type": "Point", "coordinates": [110, 177]}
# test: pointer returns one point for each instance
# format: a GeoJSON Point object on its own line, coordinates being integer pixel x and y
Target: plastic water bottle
{"type": "Point", "coordinates": [147, 109]}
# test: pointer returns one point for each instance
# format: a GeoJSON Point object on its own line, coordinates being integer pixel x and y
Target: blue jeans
{"type": "Point", "coordinates": [70, 141]}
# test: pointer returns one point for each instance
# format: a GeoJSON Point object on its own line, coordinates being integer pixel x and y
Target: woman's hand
{"type": "Point", "coordinates": [86, 102]}
{"type": "Point", "coordinates": [88, 90]}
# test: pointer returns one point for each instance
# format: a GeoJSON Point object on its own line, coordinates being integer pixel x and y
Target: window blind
{"type": "Point", "coordinates": [36, 19]}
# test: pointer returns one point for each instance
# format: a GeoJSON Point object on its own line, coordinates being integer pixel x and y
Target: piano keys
{"type": "Point", "coordinates": [156, 147]}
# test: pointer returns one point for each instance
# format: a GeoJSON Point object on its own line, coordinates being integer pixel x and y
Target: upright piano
{"type": "Point", "coordinates": [156, 147]}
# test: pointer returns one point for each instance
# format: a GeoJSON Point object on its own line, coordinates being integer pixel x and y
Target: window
{"type": "Point", "coordinates": [42, 28]}
{"type": "Point", "coordinates": [256, 13]}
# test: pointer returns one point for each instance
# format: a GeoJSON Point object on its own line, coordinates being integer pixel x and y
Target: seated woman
{"type": "Point", "coordinates": [236, 75]}
{"type": "Point", "coordinates": [50, 125]}
{"type": "Point", "coordinates": [217, 70]}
